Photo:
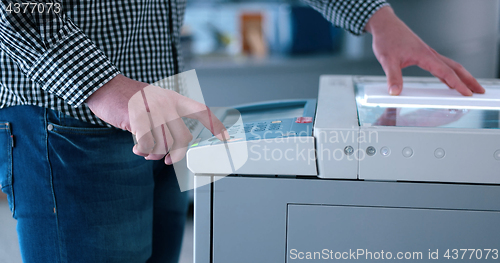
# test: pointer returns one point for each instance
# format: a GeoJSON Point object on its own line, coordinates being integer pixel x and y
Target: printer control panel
{"type": "Point", "coordinates": [259, 135]}
{"type": "Point", "coordinates": [252, 122]}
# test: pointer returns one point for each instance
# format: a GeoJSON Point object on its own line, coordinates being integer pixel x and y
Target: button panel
{"type": "Point", "coordinates": [258, 127]}
{"type": "Point", "coordinates": [259, 130]}
{"type": "Point", "coordinates": [262, 129]}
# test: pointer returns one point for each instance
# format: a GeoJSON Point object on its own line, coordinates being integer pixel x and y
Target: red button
{"type": "Point", "coordinates": [304, 120]}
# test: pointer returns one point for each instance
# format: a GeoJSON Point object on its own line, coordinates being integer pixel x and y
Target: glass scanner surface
{"type": "Point", "coordinates": [427, 105]}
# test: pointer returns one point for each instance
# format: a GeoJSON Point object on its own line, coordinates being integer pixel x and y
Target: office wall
{"type": "Point", "coordinates": [464, 30]}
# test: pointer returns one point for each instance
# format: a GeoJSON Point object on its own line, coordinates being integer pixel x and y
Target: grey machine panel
{"type": "Point", "coordinates": [202, 218]}
{"type": "Point", "coordinates": [364, 234]}
{"type": "Point", "coordinates": [336, 117]}
{"type": "Point", "coordinates": [467, 156]}
{"type": "Point", "coordinates": [250, 215]}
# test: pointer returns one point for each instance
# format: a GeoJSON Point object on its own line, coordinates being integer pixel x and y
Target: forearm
{"type": "Point", "coordinates": [115, 94]}
{"type": "Point", "coordinates": [382, 20]}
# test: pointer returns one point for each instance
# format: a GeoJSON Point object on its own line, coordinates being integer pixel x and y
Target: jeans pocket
{"type": "Point", "coordinates": [6, 179]}
{"type": "Point", "coordinates": [82, 130]}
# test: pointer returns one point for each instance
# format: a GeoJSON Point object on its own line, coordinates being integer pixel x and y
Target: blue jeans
{"type": "Point", "coordinates": [79, 194]}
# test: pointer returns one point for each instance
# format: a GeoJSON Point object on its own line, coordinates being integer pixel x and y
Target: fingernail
{"type": "Point", "coordinates": [393, 90]}
{"type": "Point", "coordinates": [168, 160]}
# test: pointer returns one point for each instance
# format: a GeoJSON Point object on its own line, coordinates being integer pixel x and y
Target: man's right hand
{"type": "Point", "coordinates": [153, 115]}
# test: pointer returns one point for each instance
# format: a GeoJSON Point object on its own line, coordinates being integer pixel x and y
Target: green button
{"type": "Point", "coordinates": [194, 145]}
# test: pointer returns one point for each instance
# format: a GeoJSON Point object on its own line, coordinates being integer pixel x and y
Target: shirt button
{"type": "Point", "coordinates": [50, 127]}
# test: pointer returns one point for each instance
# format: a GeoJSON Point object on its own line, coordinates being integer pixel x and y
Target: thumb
{"type": "Point", "coordinates": [394, 78]}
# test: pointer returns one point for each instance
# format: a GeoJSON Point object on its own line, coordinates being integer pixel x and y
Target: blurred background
{"type": "Point", "coordinates": [247, 51]}
{"type": "Point", "coordinates": [236, 65]}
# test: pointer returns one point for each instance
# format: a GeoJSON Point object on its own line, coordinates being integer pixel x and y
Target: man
{"type": "Point", "coordinates": [68, 72]}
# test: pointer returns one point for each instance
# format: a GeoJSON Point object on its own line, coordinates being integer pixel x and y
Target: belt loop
{"type": "Point", "coordinates": [60, 117]}
{"type": "Point", "coordinates": [9, 126]}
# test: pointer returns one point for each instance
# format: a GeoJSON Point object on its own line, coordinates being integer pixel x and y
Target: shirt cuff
{"type": "Point", "coordinates": [357, 16]}
{"type": "Point", "coordinates": [73, 69]}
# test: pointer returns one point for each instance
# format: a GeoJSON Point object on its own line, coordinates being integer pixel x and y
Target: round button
{"type": "Point", "coordinates": [439, 153]}
{"type": "Point", "coordinates": [385, 151]}
{"type": "Point", "coordinates": [50, 127]}
{"type": "Point", "coordinates": [407, 152]}
{"type": "Point", "coordinates": [348, 150]}
{"type": "Point", "coordinates": [371, 151]}
{"type": "Point", "coordinates": [497, 155]}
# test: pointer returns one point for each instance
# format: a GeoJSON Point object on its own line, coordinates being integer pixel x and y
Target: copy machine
{"type": "Point", "coordinates": [355, 174]}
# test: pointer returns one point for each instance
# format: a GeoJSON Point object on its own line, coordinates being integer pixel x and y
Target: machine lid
{"type": "Point", "coordinates": [427, 105]}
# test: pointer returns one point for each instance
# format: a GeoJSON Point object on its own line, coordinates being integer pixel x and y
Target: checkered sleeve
{"type": "Point", "coordinates": [352, 15]}
{"type": "Point", "coordinates": [52, 51]}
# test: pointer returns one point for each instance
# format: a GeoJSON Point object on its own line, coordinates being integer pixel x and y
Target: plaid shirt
{"type": "Point", "coordinates": [56, 59]}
